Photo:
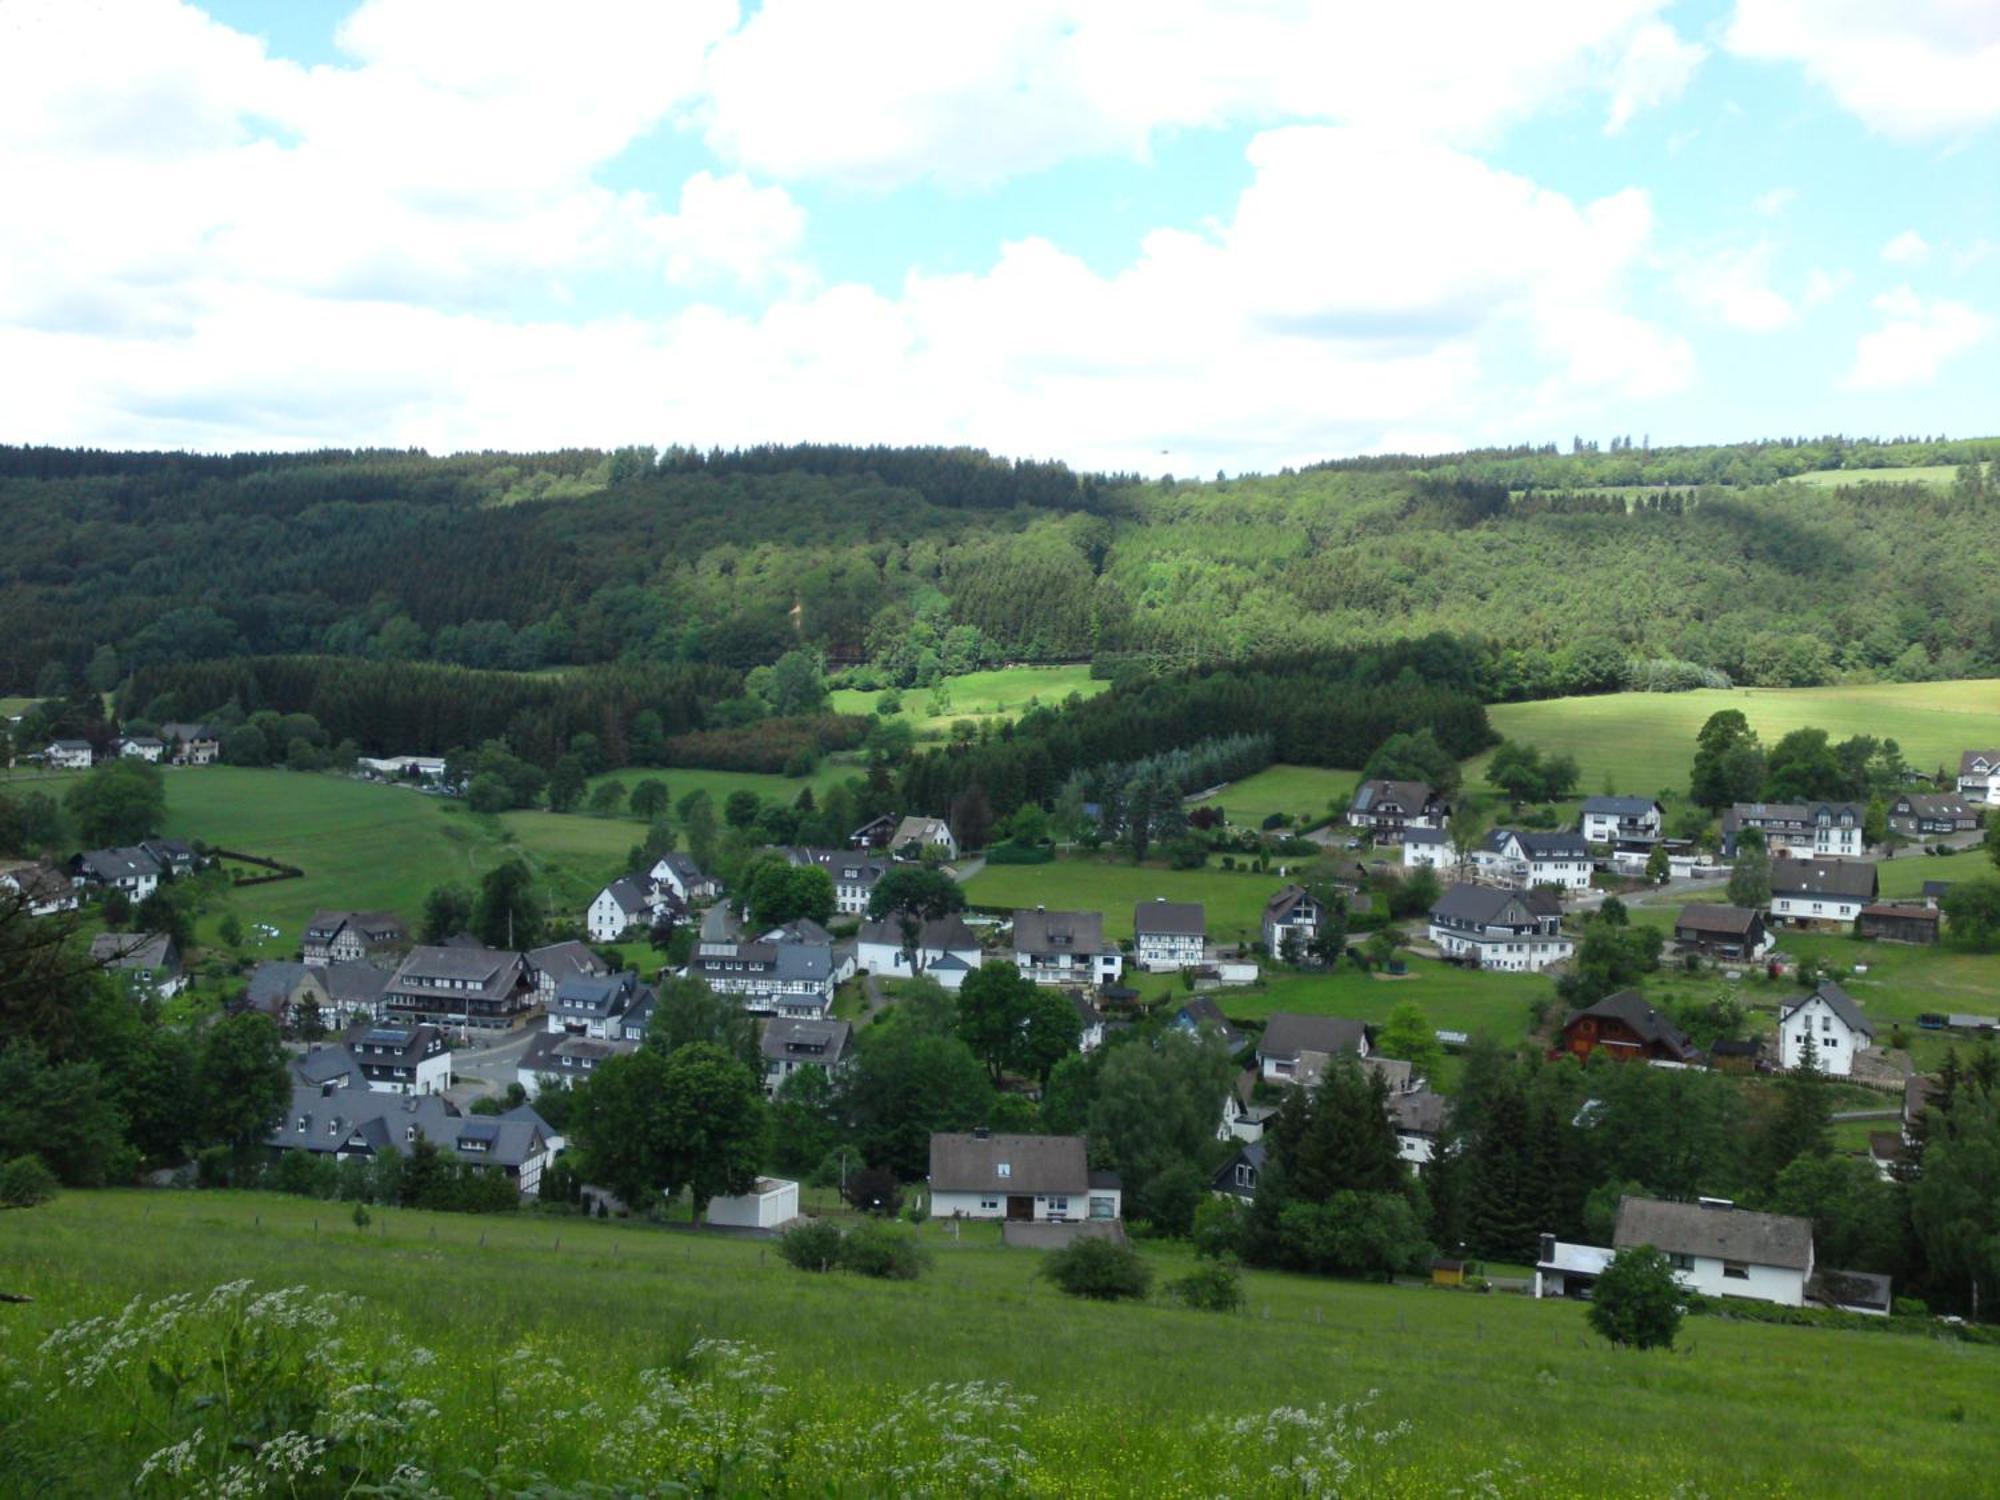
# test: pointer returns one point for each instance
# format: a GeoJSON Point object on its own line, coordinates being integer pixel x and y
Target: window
{"type": "Point", "coordinates": [991, 1205]}
{"type": "Point", "coordinates": [1058, 1205]}
{"type": "Point", "coordinates": [1246, 1175]}
{"type": "Point", "coordinates": [1736, 1270]}
{"type": "Point", "coordinates": [1681, 1262]}
{"type": "Point", "coordinates": [1005, 1169]}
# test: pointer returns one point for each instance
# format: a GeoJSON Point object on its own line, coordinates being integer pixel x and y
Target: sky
{"type": "Point", "coordinates": [1159, 236]}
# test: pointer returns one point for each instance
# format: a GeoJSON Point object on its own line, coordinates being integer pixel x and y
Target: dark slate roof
{"type": "Point", "coordinates": [563, 1055]}
{"type": "Point", "coordinates": [1936, 804]}
{"type": "Point", "coordinates": [1850, 878]}
{"type": "Point", "coordinates": [319, 1066]}
{"type": "Point", "coordinates": [272, 982]}
{"type": "Point", "coordinates": [1288, 1035]}
{"type": "Point", "coordinates": [1408, 795]}
{"type": "Point", "coordinates": [1548, 845]}
{"type": "Point", "coordinates": [354, 982]}
{"type": "Point", "coordinates": [628, 895]}
{"type": "Point", "coordinates": [1040, 931]}
{"type": "Point", "coordinates": [1630, 1007]}
{"type": "Point", "coordinates": [1749, 814]}
{"type": "Point", "coordinates": [1164, 918]}
{"type": "Point", "coordinates": [1729, 1047]}
{"type": "Point", "coordinates": [1935, 890]}
{"type": "Point", "coordinates": [791, 1039]}
{"type": "Point", "coordinates": [946, 934]}
{"type": "Point", "coordinates": [970, 1163]}
{"type": "Point", "coordinates": [1280, 906]}
{"type": "Point", "coordinates": [1485, 905]}
{"type": "Point", "coordinates": [1201, 1012]}
{"type": "Point", "coordinates": [1708, 916]}
{"type": "Point", "coordinates": [471, 962]}
{"type": "Point", "coordinates": [108, 865]}
{"type": "Point", "coordinates": [322, 1120]}
{"type": "Point", "coordinates": [1421, 836]}
{"type": "Point", "coordinates": [1838, 1001]}
{"type": "Point", "coordinates": [567, 958]}
{"type": "Point", "coordinates": [1251, 1155]}
{"type": "Point", "coordinates": [595, 995]}
{"type": "Point", "coordinates": [1418, 1113]}
{"type": "Point", "coordinates": [1623, 807]}
{"type": "Point", "coordinates": [134, 950]}
{"type": "Point", "coordinates": [1717, 1232]}
{"type": "Point", "coordinates": [1967, 758]}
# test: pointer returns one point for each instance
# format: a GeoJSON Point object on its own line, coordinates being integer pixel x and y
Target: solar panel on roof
{"type": "Point", "coordinates": [388, 1036]}
{"type": "Point", "coordinates": [479, 1130]}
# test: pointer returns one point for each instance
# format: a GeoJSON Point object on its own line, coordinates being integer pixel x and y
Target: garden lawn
{"type": "Point", "coordinates": [1121, 1392]}
{"type": "Point", "coordinates": [1309, 794]}
{"type": "Point", "coordinates": [680, 780]}
{"type": "Point", "coordinates": [1002, 693]}
{"type": "Point", "coordinates": [1115, 886]}
{"type": "Point", "coordinates": [1643, 743]}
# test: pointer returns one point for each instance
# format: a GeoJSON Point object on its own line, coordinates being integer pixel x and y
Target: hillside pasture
{"type": "Point", "coordinates": [1304, 793]}
{"type": "Point", "coordinates": [998, 694]}
{"type": "Point", "coordinates": [681, 780]}
{"type": "Point", "coordinates": [1643, 743]}
{"type": "Point", "coordinates": [1123, 1396]}
{"type": "Point", "coordinates": [1833, 479]}
{"type": "Point", "coordinates": [1114, 885]}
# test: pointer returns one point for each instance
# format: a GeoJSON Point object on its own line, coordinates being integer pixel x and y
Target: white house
{"type": "Point", "coordinates": [1389, 809]}
{"type": "Point", "coordinates": [133, 871]}
{"type": "Point", "coordinates": [945, 951]}
{"type": "Point", "coordinates": [402, 1059]}
{"type": "Point", "coordinates": [428, 768]}
{"type": "Point", "coordinates": [1801, 830]}
{"type": "Point", "coordinates": [1720, 1250]}
{"type": "Point", "coordinates": [1564, 1270]}
{"type": "Point", "coordinates": [617, 909]}
{"type": "Point", "coordinates": [148, 962]}
{"type": "Point", "coordinates": [683, 878]}
{"type": "Point", "coordinates": [781, 978]}
{"type": "Point", "coordinates": [854, 874]}
{"type": "Point", "coordinates": [141, 747]}
{"type": "Point", "coordinates": [925, 833]}
{"type": "Point", "coordinates": [1168, 935]}
{"type": "Point", "coordinates": [1979, 777]}
{"type": "Point", "coordinates": [1622, 820]}
{"type": "Point", "coordinates": [1806, 892]}
{"type": "Point", "coordinates": [1295, 1048]}
{"type": "Point", "coordinates": [565, 1059]}
{"type": "Point", "coordinates": [1065, 948]}
{"type": "Point", "coordinates": [335, 937]}
{"type": "Point", "coordinates": [594, 1005]}
{"type": "Point", "coordinates": [980, 1175]}
{"type": "Point", "coordinates": [1521, 861]}
{"type": "Point", "coordinates": [1292, 919]}
{"type": "Point", "coordinates": [41, 886]}
{"type": "Point", "coordinates": [1835, 1024]}
{"type": "Point", "coordinates": [770, 1203]}
{"type": "Point", "coordinates": [1514, 932]}
{"type": "Point", "coordinates": [789, 1044]}
{"type": "Point", "coordinates": [67, 755]}
{"type": "Point", "coordinates": [1428, 848]}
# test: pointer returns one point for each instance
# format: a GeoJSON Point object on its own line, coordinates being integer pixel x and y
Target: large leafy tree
{"type": "Point", "coordinates": [1153, 1116]}
{"type": "Point", "coordinates": [120, 802]}
{"type": "Point", "coordinates": [1728, 761]}
{"type": "Point", "coordinates": [993, 1006]}
{"type": "Point", "coordinates": [241, 1084]}
{"type": "Point", "coordinates": [905, 1085]}
{"type": "Point", "coordinates": [508, 912]}
{"type": "Point", "coordinates": [910, 896]}
{"type": "Point", "coordinates": [686, 1012]}
{"type": "Point", "coordinates": [713, 1111]}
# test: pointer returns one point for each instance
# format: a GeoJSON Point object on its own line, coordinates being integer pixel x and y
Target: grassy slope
{"type": "Point", "coordinates": [1114, 885]}
{"type": "Point", "coordinates": [1003, 693]}
{"type": "Point", "coordinates": [1918, 474]}
{"type": "Point", "coordinates": [1644, 742]}
{"type": "Point", "coordinates": [681, 780]}
{"type": "Point", "coordinates": [1304, 792]}
{"type": "Point", "coordinates": [1480, 1379]}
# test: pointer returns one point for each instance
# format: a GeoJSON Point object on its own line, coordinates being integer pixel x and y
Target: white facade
{"type": "Point", "coordinates": [1435, 854]}
{"type": "Point", "coordinates": [1835, 1040]}
{"type": "Point", "coordinates": [1069, 969]}
{"type": "Point", "coordinates": [1611, 827]}
{"type": "Point", "coordinates": [433, 1076]}
{"type": "Point", "coordinates": [1979, 777]}
{"type": "Point", "coordinates": [927, 833]}
{"type": "Point", "coordinates": [67, 755]}
{"type": "Point", "coordinates": [609, 919]}
{"type": "Point", "coordinates": [141, 749]}
{"type": "Point", "coordinates": [1086, 1203]}
{"type": "Point", "coordinates": [1520, 866]}
{"type": "Point", "coordinates": [1729, 1278]}
{"type": "Point", "coordinates": [1816, 906]}
{"type": "Point", "coordinates": [1507, 952]}
{"type": "Point", "coordinates": [949, 967]}
{"type": "Point", "coordinates": [772, 1201]}
{"type": "Point", "coordinates": [1168, 950]}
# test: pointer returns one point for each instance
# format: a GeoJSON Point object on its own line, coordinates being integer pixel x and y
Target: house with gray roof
{"type": "Point", "coordinates": [191, 744]}
{"type": "Point", "coordinates": [915, 836]}
{"type": "Point", "coordinates": [332, 937]}
{"type": "Point", "coordinates": [1169, 935]}
{"type": "Point", "coordinates": [1928, 815]}
{"type": "Point", "coordinates": [945, 950]}
{"type": "Point", "coordinates": [1292, 919]}
{"type": "Point", "coordinates": [1384, 809]}
{"type": "Point", "coordinates": [980, 1175]}
{"type": "Point", "coordinates": [43, 889]}
{"type": "Point", "coordinates": [1513, 932]}
{"type": "Point", "coordinates": [1622, 822]}
{"type": "Point", "coordinates": [1065, 948]}
{"type": "Point", "coordinates": [675, 875]}
{"type": "Point", "coordinates": [401, 1059]}
{"type": "Point", "coordinates": [594, 1005]}
{"type": "Point", "coordinates": [1520, 859]}
{"type": "Point", "coordinates": [131, 870]}
{"type": "Point", "coordinates": [569, 1059]}
{"type": "Point", "coordinates": [555, 962]}
{"type": "Point", "coordinates": [789, 1043]}
{"type": "Point", "coordinates": [1833, 1023]}
{"type": "Point", "coordinates": [148, 963]}
{"type": "Point", "coordinates": [1979, 777]}
{"type": "Point", "coordinates": [355, 990]}
{"type": "Point", "coordinates": [622, 907]}
{"type": "Point", "coordinates": [1626, 1027]}
{"type": "Point", "coordinates": [67, 755]}
{"type": "Point", "coordinates": [460, 984]}
{"type": "Point", "coordinates": [772, 975]}
{"type": "Point", "coordinates": [1798, 830]}
{"type": "Point", "coordinates": [854, 873]}
{"type": "Point", "coordinates": [1295, 1048]}
{"type": "Point", "coordinates": [1821, 892]}
{"type": "Point", "coordinates": [288, 992]}
{"type": "Point", "coordinates": [1720, 1250]}
{"type": "Point", "coordinates": [344, 1123]}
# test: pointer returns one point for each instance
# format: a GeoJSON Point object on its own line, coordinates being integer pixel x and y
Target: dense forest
{"type": "Point", "coordinates": [1578, 571]}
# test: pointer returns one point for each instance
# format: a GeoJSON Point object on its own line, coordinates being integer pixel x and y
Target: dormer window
{"type": "Point", "coordinates": [1004, 1169]}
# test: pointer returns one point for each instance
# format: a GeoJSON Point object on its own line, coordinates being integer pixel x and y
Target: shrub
{"type": "Point", "coordinates": [1213, 1286]}
{"type": "Point", "coordinates": [1186, 854]}
{"type": "Point", "coordinates": [25, 1182]}
{"type": "Point", "coordinates": [1637, 1301]}
{"type": "Point", "coordinates": [882, 1250]}
{"type": "Point", "coordinates": [811, 1246]}
{"type": "Point", "coordinates": [1011, 853]}
{"type": "Point", "coordinates": [1911, 1307]}
{"type": "Point", "coordinates": [1102, 1270]}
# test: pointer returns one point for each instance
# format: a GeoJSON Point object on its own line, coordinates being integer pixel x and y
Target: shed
{"type": "Point", "coordinates": [1447, 1273]}
{"type": "Point", "coordinates": [771, 1201]}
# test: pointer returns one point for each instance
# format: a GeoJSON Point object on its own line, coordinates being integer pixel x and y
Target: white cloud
{"type": "Point", "coordinates": [1655, 69]}
{"type": "Point", "coordinates": [1733, 286]}
{"type": "Point", "coordinates": [1914, 341]}
{"type": "Point", "coordinates": [1907, 68]}
{"type": "Point", "coordinates": [1823, 286]}
{"type": "Point", "coordinates": [1907, 249]}
{"type": "Point", "coordinates": [881, 92]}
{"type": "Point", "coordinates": [1776, 201]}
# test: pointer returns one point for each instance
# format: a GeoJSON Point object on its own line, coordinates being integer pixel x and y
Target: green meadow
{"type": "Point", "coordinates": [1917, 474]}
{"type": "Point", "coordinates": [1305, 793]}
{"type": "Point", "coordinates": [1125, 1399]}
{"type": "Point", "coordinates": [1112, 884]}
{"type": "Point", "coordinates": [1001, 693]}
{"type": "Point", "coordinates": [680, 780]}
{"type": "Point", "coordinates": [1644, 742]}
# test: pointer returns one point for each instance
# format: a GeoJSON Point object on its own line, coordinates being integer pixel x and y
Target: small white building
{"type": "Point", "coordinates": [619, 908]}
{"type": "Point", "coordinates": [141, 747]}
{"type": "Point", "coordinates": [1169, 935]}
{"type": "Point", "coordinates": [1835, 1024]}
{"type": "Point", "coordinates": [979, 1175]}
{"type": "Point", "coordinates": [1065, 948]}
{"type": "Point", "coordinates": [1821, 892]}
{"type": "Point", "coordinates": [1292, 919]}
{"type": "Point", "coordinates": [924, 833]}
{"type": "Point", "coordinates": [1720, 1250]}
{"type": "Point", "coordinates": [426, 768]}
{"type": "Point", "coordinates": [1564, 1270]}
{"type": "Point", "coordinates": [771, 1203]}
{"type": "Point", "coordinates": [67, 755]}
{"type": "Point", "coordinates": [1428, 848]}
{"type": "Point", "coordinates": [1979, 777]}
{"type": "Point", "coordinates": [1622, 820]}
{"type": "Point", "coordinates": [945, 950]}
{"type": "Point", "coordinates": [678, 875]}
{"type": "Point", "coordinates": [1518, 860]}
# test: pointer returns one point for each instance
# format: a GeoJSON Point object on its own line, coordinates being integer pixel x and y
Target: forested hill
{"type": "Point", "coordinates": [1577, 569]}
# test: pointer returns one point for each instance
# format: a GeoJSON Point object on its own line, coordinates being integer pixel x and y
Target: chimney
{"type": "Point", "coordinates": [980, 1133]}
{"type": "Point", "coordinates": [1548, 1248]}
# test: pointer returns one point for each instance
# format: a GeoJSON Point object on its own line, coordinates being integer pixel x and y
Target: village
{"type": "Point", "coordinates": [460, 1045]}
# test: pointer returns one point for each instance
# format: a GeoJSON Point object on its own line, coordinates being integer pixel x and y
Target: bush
{"type": "Point", "coordinates": [811, 1246]}
{"type": "Point", "coordinates": [1102, 1270]}
{"type": "Point", "coordinates": [1637, 1301]}
{"type": "Point", "coordinates": [1911, 1307]}
{"type": "Point", "coordinates": [1213, 1286]}
{"type": "Point", "coordinates": [25, 1182]}
{"type": "Point", "coordinates": [1186, 854]}
{"type": "Point", "coordinates": [1011, 853]}
{"type": "Point", "coordinates": [884, 1251]}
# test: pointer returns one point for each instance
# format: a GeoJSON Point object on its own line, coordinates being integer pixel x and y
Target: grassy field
{"type": "Point", "coordinates": [1921, 474]}
{"type": "Point", "coordinates": [719, 784]}
{"type": "Point", "coordinates": [1644, 742]}
{"type": "Point", "coordinates": [1114, 885]}
{"type": "Point", "coordinates": [1122, 1394]}
{"type": "Point", "coordinates": [1002, 693]}
{"type": "Point", "coordinates": [1303, 792]}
